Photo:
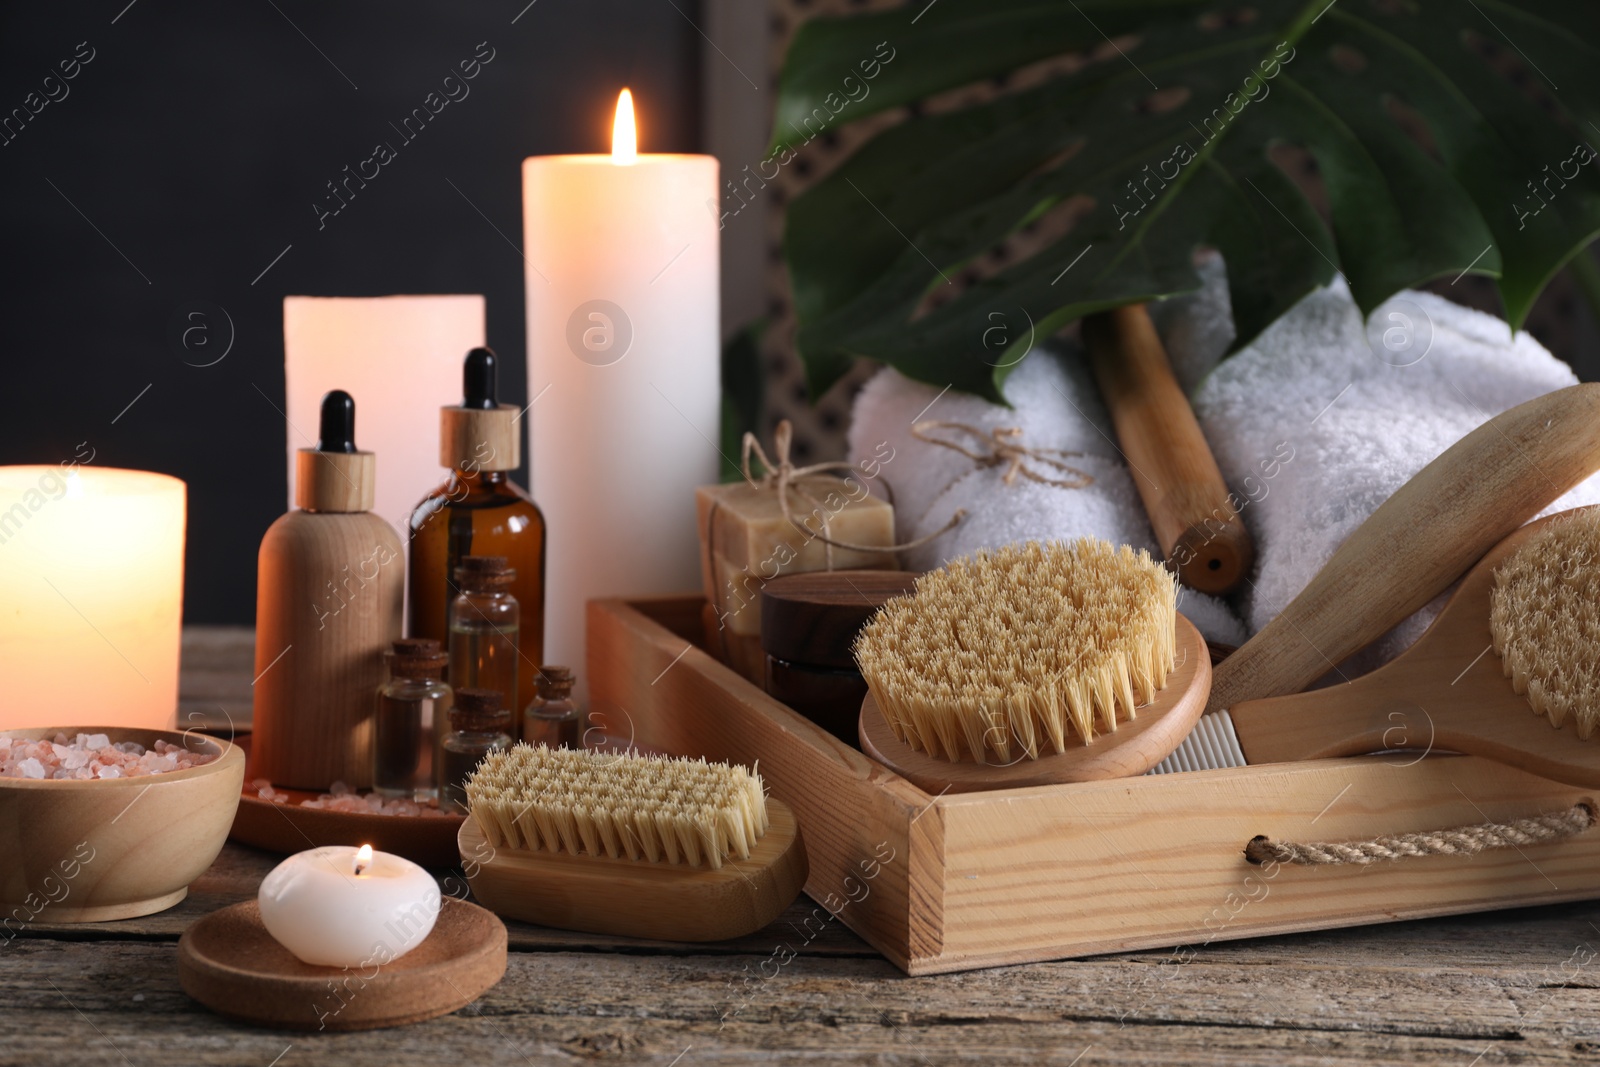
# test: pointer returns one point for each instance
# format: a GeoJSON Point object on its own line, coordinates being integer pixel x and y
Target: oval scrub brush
{"type": "Point", "coordinates": [1508, 663]}
{"type": "Point", "coordinates": [1031, 664]}
{"type": "Point", "coordinates": [641, 846]}
{"type": "Point", "coordinates": [1544, 616]}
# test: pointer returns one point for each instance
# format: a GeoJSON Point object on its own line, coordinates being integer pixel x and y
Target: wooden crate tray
{"type": "Point", "coordinates": [955, 882]}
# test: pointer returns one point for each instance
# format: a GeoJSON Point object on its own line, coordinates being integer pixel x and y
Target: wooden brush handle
{"type": "Point", "coordinates": [1341, 720]}
{"type": "Point", "coordinates": [1420, 540]}
{"type": "Point", "coordinates": [1189, 505]}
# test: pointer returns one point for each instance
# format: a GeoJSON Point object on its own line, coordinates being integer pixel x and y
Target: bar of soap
{"type": "Point", "coordinates": [745, 540]}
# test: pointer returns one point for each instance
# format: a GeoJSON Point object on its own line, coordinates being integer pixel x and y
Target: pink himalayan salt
{"type": "Point", "coordinates": [342, 797]}
{"type": "Point", "coordinates": [91, 756]}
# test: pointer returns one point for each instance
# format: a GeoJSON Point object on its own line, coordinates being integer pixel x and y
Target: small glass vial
{"type": "Point", "coordinates": [484, 620]}
{"type": "Point", "coordinates": [552, 719]}
{"type": "Point", "coordinates": [478, 726]}
{"type": "Point", "coordinates": [411, 709]}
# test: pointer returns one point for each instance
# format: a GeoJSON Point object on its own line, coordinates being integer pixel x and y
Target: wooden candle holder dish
{"type": "Point", "coordinates": [228, 962]}
{"type": "Point", "coordinates": [290, 828]}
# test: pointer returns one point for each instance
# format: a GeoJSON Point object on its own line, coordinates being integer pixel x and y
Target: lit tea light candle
{"type": "Point", "coordinates": [623, 367]}
{"type": "Point", "coordinates": [338, 906]}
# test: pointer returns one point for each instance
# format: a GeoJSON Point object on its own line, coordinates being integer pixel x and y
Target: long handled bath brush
{"type": "Point", "coordinates": [1421, 540]}
{"type": "Point", "coordinates": [640, 846]}
{"type": "Point", "coordinates": [1031, 664]}
{"type": "Point", "coordinates": [1510, 670]}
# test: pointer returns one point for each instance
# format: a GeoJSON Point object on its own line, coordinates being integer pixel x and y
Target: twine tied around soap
{"type": "Point", "coordinates": [1458, 841]}
{"type": "Point", "coordinates": [782, 476]}
{"type": "Point", "coordinates": [1001, 447]}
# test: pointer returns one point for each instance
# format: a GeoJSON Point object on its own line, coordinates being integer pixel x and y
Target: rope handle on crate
{"type": "Point", "coordinates": [1458, 841]}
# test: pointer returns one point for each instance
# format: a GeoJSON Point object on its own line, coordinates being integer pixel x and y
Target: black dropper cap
{"type": "Point", "coordinates": [478, 379]}
{"type": "Point", "coordinates": [338, 430]}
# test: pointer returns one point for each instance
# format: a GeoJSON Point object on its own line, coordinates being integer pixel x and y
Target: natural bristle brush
{"type": "Point", "coordinates": [1507, 671]}
{"type": "Point", "coordinates": [1411, 549]}
{"type": "Point", "coordinates": [1031, 664]}
{"type": "Point", "coordinates": [1544, 616]}
{"type": "Point", "coordinates": [619, 843]}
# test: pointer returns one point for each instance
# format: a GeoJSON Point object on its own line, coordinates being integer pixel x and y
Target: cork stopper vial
{"type": "Point", "coordinates": [485, 574]}
{"type": "Point", "coordinates": [418, 658]}
{"type": "Point", "coordinates": [480, 711]}
{"type": "Point", "coordinates": [555, 682]}
{"type": "Point", "coordinates": [335, 476]}
{"type": "Point", "coordinates": [479, 434]}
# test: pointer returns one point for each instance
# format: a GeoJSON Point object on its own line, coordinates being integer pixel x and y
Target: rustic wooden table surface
{"type": "Point", "coordinates": [1508, 987]}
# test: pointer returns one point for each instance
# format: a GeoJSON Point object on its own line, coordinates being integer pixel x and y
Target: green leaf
{"type": "Point", "coordinates": [744, 388]}
{"type": "Point", "coordinates": [1503, 185]}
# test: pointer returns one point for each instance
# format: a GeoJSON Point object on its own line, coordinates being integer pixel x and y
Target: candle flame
{"type": "Point", "coordinates": [624, 136]}
{"type": "Point", "coordinates": [363, 858]}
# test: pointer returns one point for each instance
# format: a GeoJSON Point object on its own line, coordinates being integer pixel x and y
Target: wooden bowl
{"type": "Point", "coordinates": [89, 851]}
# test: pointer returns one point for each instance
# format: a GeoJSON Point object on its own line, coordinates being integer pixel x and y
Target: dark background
{"type": "Point", "coordinates": [196, 142]}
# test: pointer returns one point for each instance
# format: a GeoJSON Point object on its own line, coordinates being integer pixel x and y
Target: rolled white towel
{"type": "Point", "coordinates": [1361, 406]}
{"type": "Point", "coordinates": [1364, 406]}
{"type": "Point", "coordinates": [1063, 422]}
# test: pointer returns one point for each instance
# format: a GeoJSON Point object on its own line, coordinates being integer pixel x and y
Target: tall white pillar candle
{"type": "Point", "coordinates": [91, 581]}
{"type": "Point", "coordinates": [623, 370]}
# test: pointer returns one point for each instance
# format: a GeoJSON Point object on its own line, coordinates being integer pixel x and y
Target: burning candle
{"type": "Point", "coordinates": [623, 364]}
{"type": "Point", "coordinates": [91, 576]}
{"type": "Point", "coordinates": [338, 906]}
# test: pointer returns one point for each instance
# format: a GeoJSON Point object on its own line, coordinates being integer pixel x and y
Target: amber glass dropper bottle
{"type": "Point", "coordinates": [478, 511]}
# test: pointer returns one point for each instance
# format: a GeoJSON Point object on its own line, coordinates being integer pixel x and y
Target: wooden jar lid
{"type": "Point", "coordinates": [813, 618]}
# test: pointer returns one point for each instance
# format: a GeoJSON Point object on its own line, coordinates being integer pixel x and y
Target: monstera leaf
{"type": "Point", "coordinates": [1451, 136]}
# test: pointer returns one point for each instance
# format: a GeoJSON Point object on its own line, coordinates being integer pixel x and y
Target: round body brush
{"type": "Point", "coordinates": [1031, 664]}
{"type": "Point", "coordinates": [1509, 670]}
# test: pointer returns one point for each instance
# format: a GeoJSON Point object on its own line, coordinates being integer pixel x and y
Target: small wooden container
{"type": "Point", "coordinates": [824, 695]}
{"type": "Point", "coordinates": [117, 848]}
{"type": "Point", "coordinates": [809, 624]}
{"type": "Point", "coordinates": [954, 882]}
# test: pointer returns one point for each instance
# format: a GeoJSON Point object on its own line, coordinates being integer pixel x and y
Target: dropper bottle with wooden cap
{"type": "Point", "coordinates": [328, 604]}
{"type": "Point", "coordinates": [478, 511]}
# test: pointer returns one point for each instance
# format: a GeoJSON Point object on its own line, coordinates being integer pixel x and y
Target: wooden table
{"type": "Point", "coordinates": [1520, 986]}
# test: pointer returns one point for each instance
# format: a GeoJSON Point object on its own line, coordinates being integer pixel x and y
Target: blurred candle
{"type": "Point", "coordinates": [400, 357]}
{"type": "Point", "coordinates": [91, 583]}
{"type": "Point", "coordinates": [623, 369]}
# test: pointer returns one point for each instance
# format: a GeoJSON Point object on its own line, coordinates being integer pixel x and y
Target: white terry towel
{"type": "Point", "coordinates": [1058, 410]}
{"type": "Point", "coordinates": [1360, 417]}
{"type": "Point", "coordinates": [1363, 405]}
